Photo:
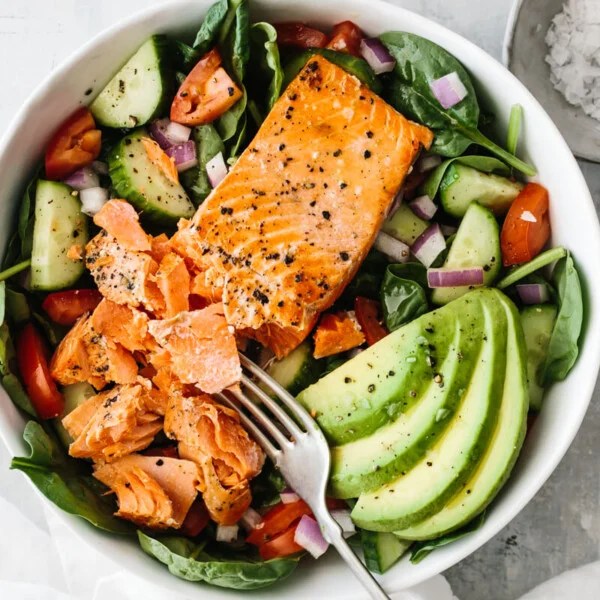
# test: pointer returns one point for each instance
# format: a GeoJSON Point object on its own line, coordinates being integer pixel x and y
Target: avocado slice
{"type": "Point", "coordinates": [388, 378]}
{"type": "Point", "coordinates": [371, 461]}
{"type": "Point", "coordinates": [502, 452]}
{"type": "Point", "coordinates": [427, 487]}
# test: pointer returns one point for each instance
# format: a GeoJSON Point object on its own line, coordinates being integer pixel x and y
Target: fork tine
{"type": "Point", "coordinates": [282, 394]}
{"type": "Point", "coordinates": [273, 453]}
{"type": "Point", "coordinates": [281, 415]}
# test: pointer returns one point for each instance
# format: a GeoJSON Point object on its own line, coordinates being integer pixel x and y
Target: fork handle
{"type": "Point", "coordinates": [332, 532]}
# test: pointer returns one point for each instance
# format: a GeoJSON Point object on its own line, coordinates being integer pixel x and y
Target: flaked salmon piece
{"type": "Point", "coordinates": [122, 222]}
{"type": "Point", "coordinates": [124, 325]}
{"type": "Point", "coordinates": [173, 281]}
{"type": "Point", "coordinates": [201, 288]}
{"type": "Point", "coordinates": [86, 355]}
{"type": "Point", "coordinates": [199, 348]}
{"type": "Point", "coordinates": [123, 276]}
{"type": "Point", "coordinates": [75, 252]}
{"type": "Point", "coordinates": [337, 333]}
{"type": "Point", "coordinates": [288, 227]}
{"type": "Point", "coordinates": [170, 487]}
{"type": "Point", "coordinates": [161, 246]}
{"type": "Point", "coordinates": [113, 424]}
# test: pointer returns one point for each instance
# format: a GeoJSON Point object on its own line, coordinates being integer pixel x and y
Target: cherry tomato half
{"type": "Point", "coordinates": [300, 36]}
{"type": "Point", "coordinates": [282, 545]}
{"type": "Point", "coordinates": [346, 37]}
{"type": "Point", "coordinates": [367, 314]}
{"type": "Point", "coordinates": [66, 307]}
{"type": "Point", "coordinates": [277, 520]}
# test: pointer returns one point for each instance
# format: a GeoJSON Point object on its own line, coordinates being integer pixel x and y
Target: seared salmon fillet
{"type": "Point", "coordinates": [152, 492]}
{"type": "Point", "coordinates": [121, 221]}
{"type": "Point", "coordinates": [290, 224]}
{"type": "Point", "coordinates": [199, 348]}
{"type": "Point", "coordinates": [113, 423]}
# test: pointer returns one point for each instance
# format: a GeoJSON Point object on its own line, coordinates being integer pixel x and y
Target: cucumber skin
{"type": "Point", "coordinates": [167, 79]}
{"type": "Point", "coordinates": [371, 543]}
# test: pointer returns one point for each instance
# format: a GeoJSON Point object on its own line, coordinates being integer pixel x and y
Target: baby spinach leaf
{"type": "Point", "coordinates": [66, 481]}
{"type": "Point", "coordinates": [17, 306]}
{"type": "Point", "coordinates": [514, 128]}
{"type": "Point", "coordinates": [563, 348]}
{"type": "Point", "coordinates": [418, 63]}
{"type": "Point", "coordinates": [190, 561]}
{"type": "Point", "coordinates": [419, 550]}
{"type": "Point", "coordinates": [355, 66]}
{"type": "Point", "coordinates": [267, 73]}
{"type": "Point", "coordinates": [486, 164]}
{"type": "Point", "coordinates": [185, 57]}
{"type": "Point", "coordinates": [228, 123]}
{"type": "Point", "coordinates": [211, 26]}
{"type": "Point", "coordinates": [541, 260]}
{"type": "Point", "coordinates": [403, 296]}
{"type": "Point", "coordinates": [368, 279]}
{"type": "Point", "coordinates": [267, 486]}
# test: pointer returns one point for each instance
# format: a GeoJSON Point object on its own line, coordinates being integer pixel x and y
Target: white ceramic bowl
{"type": "Point", "coordinates": [574, 220]}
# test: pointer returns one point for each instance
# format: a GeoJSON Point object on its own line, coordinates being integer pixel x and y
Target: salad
{"type": "Point", "coordinates": [331, 205]}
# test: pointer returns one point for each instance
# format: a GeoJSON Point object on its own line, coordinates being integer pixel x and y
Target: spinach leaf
{"type": "Point", "coordinates": [563, 348]}
{"type": "Point", "coordinates": [368, 279]}
{"type": "Point", "coordinates": [185, 57]}
{"type": "Point", "coordinates": [267, 73]}
{"type": "Point", "coordinates": [66, 481]}
{"type": "Point", "coordinates": [228, 123]}
{"type": "Point", "coordinates": [188, 560]}
{"type": "Point", "coordinates": [355, 66]}
{"type": "Point", "coordinates": [419, 550]}
{"type": "Point", "coordinates": [486, 164]}
{"type": "Point", "coordinates": [211, 26]}
{"type": "Point", "coordinates": [208, 145]}
{"type": "Point", "coordinates": [403, 296]}
{"type": "Point", "coordinates": [267, 486]}
{"type": "Point", "coordinates": [540, 261]}
{"type": "Point", "coordinates": [418, 63]}
{"type": "Point", "coordinates": [17, 306]}
{"type": "Point", "coordinates": [514, 128]}
{"type": "Point", "coordinates": [331, 363]}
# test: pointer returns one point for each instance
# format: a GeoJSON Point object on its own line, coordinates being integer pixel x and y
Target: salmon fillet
{"type": "Point", "coordinates": [288, 227]}
{"type": "Point", "coordinates": [113, 423]}
{"type": "Point", "coordinates": [198, 347]}
{"type": "Point", "coordinates": [173, 280]}
{"type": "Point", "coordinates": [160, 247]}
{"type": "Point", "coordinates": [152, 492]}
{"type": "Point", "coordinates": [121, 221]}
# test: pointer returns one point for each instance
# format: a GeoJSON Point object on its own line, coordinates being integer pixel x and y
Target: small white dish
{"type": "Point", "coordinates": [575, 225]}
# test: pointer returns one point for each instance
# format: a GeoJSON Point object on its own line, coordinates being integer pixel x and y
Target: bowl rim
{"type": "Point", "coordinates": [442, 560]}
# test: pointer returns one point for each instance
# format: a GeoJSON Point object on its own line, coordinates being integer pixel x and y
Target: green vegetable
{"type": "Point", "coordinates": [422, 549]}
{"type": "Point", "coordinates": [2, 301]}
{"type": "Point", "coordinates": [209, 30]}
{"type": "Point", "coordinates": [514, 128]}
{"type": "Point", "coordinates": [418, 63]}
{"type": "Point", "coordinates": [15, 270]}
{"type": "Point", "coordinates": [368, 279]}
{"type": "Point", "coordinates": [190, 561]}
{"type": "Point", "coordinates": [267, 72]}
{"type": "Point", "coordinates": [563, 348]}
{"type": "Point", "coordinates": [486, 164]}
{"type": "Point", "coordinates": [352, 64]}
{"type": "Point", "coordinates": [403, 295]}
{"type": "Point", "coordinates": [267, 486]}
{"type": "Point", "coordinates": [185, 57]}
{"type": "Point", "coordinates": [66, 481]}
{"type": "Point", "coordinates": [17, 306]}
{"type": "Point", "coordinates": [540, 261]}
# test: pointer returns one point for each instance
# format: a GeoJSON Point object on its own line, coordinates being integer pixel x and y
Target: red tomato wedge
{"type": "Point", "coordinates": [76, 144]}
{"type": "Point", "coordinates": [367, 314]}
{"type": "Point", "coordinates": [207, 92]}
{"type": "Point", "coordinates": [277, 520]}
{"type": "Point", "coordinates": [282, 545]}
{"type": "Point", "coordinates": [66, 307]}
{"type": "Point", "coordinates": [32, 360]}
{"type": "Point", "coordinates": [526, 228]}
{"type": "Point", "coordinates": [346, 37]}
{"type": "Point", "coordinates": [196, 520]}
{"type": "Point", "coordinates": [300, 36]}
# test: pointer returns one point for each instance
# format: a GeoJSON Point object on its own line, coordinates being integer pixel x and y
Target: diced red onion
{"type": "Point", "coordinates": [82, 179]}
{"type": "Point", "coordinates": [227, 533]}
{"type": "Point", "coordinates": [251, 520]}
{"type": "Point", "coordinates": [440, 278]}
{"type": "Point", "coordinates": [377, 55]}
{"type": "Point", "coordinates": [395, 249]}
{"type": "Point", "coordinates": [92, 200]}
{"type": "Point", "coordinates": [308, 535]}
{"type": "Point", "coordinates": [183, 155]}
{"type": "Point", "coordinates": [429, 245]}
{"type": "Point", "coordinates": [533, 293]}
{"type": "Point", "coordinates": [342, 516]}
{"type": "Point", "coordinates": [423, 207]}
{"type": "Point", "coordinates": [429, 162]}
{"type": "Point", "coordinates": [449, 89]}
{"type": "Point", "coordinates": [448, 230]}
{"type": "Point", "coordinates": [167, 133]}
{"type": "Point", "coordinates": [100, 167]}
{"type": "Point", "coordinates": [288, 495]}
{"type": "Point", "coordinates": [216, 169]}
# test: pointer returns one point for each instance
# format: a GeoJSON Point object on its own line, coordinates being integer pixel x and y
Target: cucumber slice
{"type": "Point", "coordinates": [477, 244]}
{"type": "Point", "coordinates": [140, 91]}
{"type": "Point", "coordinates": [382, 550]}
{"type": "Point", "coordinates": [538, 323]}
{"type": "Point", "coordinates": [140, 181]}
{"type": "Point", "coordinates": [297, 370]}
{"type": "Point", "coordinates": [74, 395]}
{"type": "Point", "coordinates": [463, 185]}
{"type": "Point", "coordinates": [404, 225]}
{"type": "Point", "coordinates": [59, 224]}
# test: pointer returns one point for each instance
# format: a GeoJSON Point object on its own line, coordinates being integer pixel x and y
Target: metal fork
{"type": "Point", "coordinates": [299, 450]}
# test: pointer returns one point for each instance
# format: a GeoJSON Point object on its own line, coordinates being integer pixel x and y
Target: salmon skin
{"type": "Point", "coordinates": [290, 224]}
